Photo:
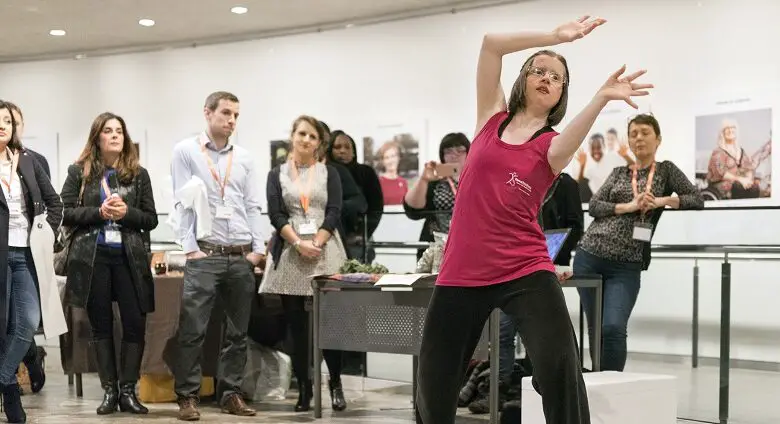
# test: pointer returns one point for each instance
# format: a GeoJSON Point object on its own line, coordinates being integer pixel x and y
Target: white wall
{"type": "Point", "coordinates": [697, 53]}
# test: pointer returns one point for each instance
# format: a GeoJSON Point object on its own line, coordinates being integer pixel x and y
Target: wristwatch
{"type": "Point", "coordinates": [297, 243]}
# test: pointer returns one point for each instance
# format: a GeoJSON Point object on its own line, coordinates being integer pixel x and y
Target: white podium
{"type": "Point", "coordinates": [616, 398]}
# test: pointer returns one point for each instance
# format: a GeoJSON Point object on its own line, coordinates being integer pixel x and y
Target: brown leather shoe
{"type": "Point", "coordinates": [188, 409]}
{"type": "Point", "coordinates": [234, 404]}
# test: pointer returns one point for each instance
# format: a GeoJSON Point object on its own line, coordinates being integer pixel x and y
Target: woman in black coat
{"type": "Point", "coordinates": [27, 192]}
{"type": "Point", "coordinates": [110, 206]}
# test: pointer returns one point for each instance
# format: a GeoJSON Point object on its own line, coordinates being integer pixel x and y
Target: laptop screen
{"type": "Point", "coordinates": [555, 241]}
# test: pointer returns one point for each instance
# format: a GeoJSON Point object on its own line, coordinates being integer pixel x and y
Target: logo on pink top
{"type": "Point", "coordinates": [518, 184]}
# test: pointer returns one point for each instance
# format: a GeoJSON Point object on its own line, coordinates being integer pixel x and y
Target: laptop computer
{"type": "Point", "coordinates": [555, 240]}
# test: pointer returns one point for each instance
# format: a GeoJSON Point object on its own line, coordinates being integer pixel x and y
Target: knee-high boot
{"type": "Point", "coordinates": [130, 360]}
{"type": "Point", "coordinates": [106, 358]}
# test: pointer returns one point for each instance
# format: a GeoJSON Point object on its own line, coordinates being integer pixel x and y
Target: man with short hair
{"type": "Point", "coordinates": [33, 359]}
{"type": "Point", "coordinates": [221, 263]}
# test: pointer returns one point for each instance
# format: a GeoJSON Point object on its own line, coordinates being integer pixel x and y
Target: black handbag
{"type": "Point", "coordinates": [63, 242]}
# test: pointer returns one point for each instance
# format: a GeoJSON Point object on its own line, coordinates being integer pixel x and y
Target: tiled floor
{"type": "Point", "coordinates": [372, 401]}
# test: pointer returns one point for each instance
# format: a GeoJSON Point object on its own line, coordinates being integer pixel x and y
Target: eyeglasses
{"type": "Point", "coordinates": [555, 77]}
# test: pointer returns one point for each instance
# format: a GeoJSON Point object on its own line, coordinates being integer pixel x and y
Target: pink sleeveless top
{"type": "Point", "coordinates": [494, 234]}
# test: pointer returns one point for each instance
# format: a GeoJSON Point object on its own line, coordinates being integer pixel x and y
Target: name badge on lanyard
{"type": "Point", "coordinates": [224, 211]}
{"type": "Point", "coordinates": [643, 231]}
{"type": "Point", "coordinates": [111, 231]}
{"type": "Point", "coordinates": [308, 226]}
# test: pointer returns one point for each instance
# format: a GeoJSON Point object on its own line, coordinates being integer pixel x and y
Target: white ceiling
{"type": "Point", "coordinates": [111, 26]}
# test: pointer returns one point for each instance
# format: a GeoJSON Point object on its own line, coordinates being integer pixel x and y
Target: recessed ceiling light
{"type": "Point", "coordinates": [146, 22]}
{"type": "Point", "coordinates": [239, 10]}
{"type": "Point", "coordinates": [57, 32]}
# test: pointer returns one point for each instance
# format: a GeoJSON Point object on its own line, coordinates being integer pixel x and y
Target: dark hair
{"type": "Point", "coordinates": [517, 96]}
{"type": "Point", "coordinates": [453, 140]}
{"type": "Point", "coordinates": [15, 108]}
{"type": "Point", "coordinates": [127, 166]}
{"type": "Point", "coordinates": [612, 131]}
{"type": "Point", "coordinates": [15, 144]}
{"type": "Point", "coordinates": [333, 136]}
{"type": "Point", "coordinates": [212, 101]}
{"type": "Point", "coordinates": [646, 119]}
{"type": "Point", "coordinates": [598, 138]}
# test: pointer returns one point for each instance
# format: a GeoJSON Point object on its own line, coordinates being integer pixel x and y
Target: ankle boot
{"type": "Point", "coordinates": [106, 361]}
{"type": "Point", "coordinates": [130, 360]}
{"type": "Point", "coordinates": [337, 395]}
{"type": "Point", "coordinates": [305, 394]}
{"type": "Point", "coordinates": [33, 360]}
{"type": "Point", "coordinates": [12, 403]}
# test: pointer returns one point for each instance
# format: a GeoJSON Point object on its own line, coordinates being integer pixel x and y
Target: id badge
{"type": "Point", "coordinates": [307, 228]}
{"type": "Point", "coordinates": [643, 231]}
{"type": "Point", "coordinates": [224, 212]}
{"type": "Point", "coordinates": [113, 236]}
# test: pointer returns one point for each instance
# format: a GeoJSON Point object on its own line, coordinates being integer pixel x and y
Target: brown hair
{"type": "Point", "coordinates": [212, 101]}
{"type": "Point", "coordinates": [517, 101]}
{"type": "Point", "coordinates": [15, 144]}
{"type": "Point", "coordinates": [646, 119]}
{"type": "Point", "coordinates": [127, 166]}
{"type": "Point", "coordinates": [314, 122]}
{"type": "Point", "coordinates": [15, 108]}
{"type": "Point", "coordinates": [380, 153]}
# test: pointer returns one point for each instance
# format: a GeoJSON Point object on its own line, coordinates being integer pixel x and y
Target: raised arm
{"type": "Point", "coordinates": [490, 94]}
{"type": "Point", "coordinates": [617, 87]}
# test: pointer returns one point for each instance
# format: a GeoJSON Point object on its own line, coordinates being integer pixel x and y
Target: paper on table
{"type": "Point", "coordinates": [399, 279]}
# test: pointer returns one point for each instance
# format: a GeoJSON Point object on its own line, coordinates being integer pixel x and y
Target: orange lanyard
{"type": "Point", "coordinates": [214, 173]}
{"type": "Point", "coordinates": [452, 186]}
{"type": "Point", "coordinates": [634, 184]}
{"type": "Point", "coordinates": [305, 192]}
{"type": "Point", "coordinates": [14, 164]}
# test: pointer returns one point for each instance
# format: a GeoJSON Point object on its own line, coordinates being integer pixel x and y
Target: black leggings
{"type": "Point", "coordinates": [112, 281]}
{"type": "Point", "coordinates": [298, 321]}
{"type": "Point", "coordinates": [453, 325]}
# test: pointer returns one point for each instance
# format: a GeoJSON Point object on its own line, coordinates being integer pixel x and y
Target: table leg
{"type": "Point", "coordinates": [596, 348]}
{"type": "Point", "coordinates": [495, 318]}
{"type": "Point", "coordinates": [317, 353]}
{"type": "Point", "coordinates": [79, 386]}
{"type": "Point", "coordinates": [695, 320]}
{"type": "Point", "coordinates": [582, 337]}
{"type": "Point", "coordinates": [725, 339]}
{"type": "Point", "coordinates": [415, 363]}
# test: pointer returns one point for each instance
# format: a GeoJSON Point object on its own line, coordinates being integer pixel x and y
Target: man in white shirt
{"type": "Point", "coordinates": [222, 263]}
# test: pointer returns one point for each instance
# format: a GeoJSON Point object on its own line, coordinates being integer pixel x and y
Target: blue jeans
{"type": "Point", "coordinates": [24, 314]}
{"type": "Point", "coordinates": [506, 347]}
{"type": "Point", "coordinates": [621, 289]}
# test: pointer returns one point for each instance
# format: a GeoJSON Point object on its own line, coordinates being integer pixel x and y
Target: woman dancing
{"type": "Point", "coordinates": [496, 256]}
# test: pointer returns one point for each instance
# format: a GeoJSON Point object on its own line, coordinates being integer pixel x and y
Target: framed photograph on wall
{"type": "Point", "coordinates": [393, 151]}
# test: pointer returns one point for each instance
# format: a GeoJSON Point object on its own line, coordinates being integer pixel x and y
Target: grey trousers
{"type": "Point", "coordinates": [232, 278]}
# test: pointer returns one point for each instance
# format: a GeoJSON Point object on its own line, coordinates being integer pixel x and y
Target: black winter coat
{"type": "Point", "coordinates": [39, 197]}
{"type": "Point", "coordinates": [85, 217]}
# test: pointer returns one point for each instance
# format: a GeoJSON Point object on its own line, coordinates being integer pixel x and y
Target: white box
{"type": "Point", "coordinates": [616, 398]}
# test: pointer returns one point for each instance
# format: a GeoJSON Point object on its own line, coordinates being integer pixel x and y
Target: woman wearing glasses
{"type": "Point", "coordinates": [626, 210]}
{"type": "Point", "coordinates": [496, 255]}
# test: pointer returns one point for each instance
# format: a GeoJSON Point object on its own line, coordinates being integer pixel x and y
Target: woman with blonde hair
{"type": "Point", "coordinates": [109, 206]}
{"type": "Point", "coordinates": [731, 170]}
{"type": "Point", "coordinates": [304, 205]}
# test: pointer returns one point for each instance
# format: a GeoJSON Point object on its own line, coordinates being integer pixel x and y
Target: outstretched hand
{"type": "Point", "coordinates": [575, 30]}
{"type": "Point", "coordinates": [620, 87]}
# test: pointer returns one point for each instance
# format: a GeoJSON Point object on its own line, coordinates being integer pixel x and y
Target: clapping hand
{"type": "Point", "coordinates": [575, 30]}
{"type": "Point", "coordinates": [620, 87]}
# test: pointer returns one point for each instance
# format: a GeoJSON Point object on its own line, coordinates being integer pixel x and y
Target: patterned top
{"type": "Point", "coordinates": [293, 274]}
{"type": "Point", "coordinates": [722, 162]}
{"type": "Point", "coordinates": [611, 236]}
{"type": "Point", "coordinates": [443, 200]}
